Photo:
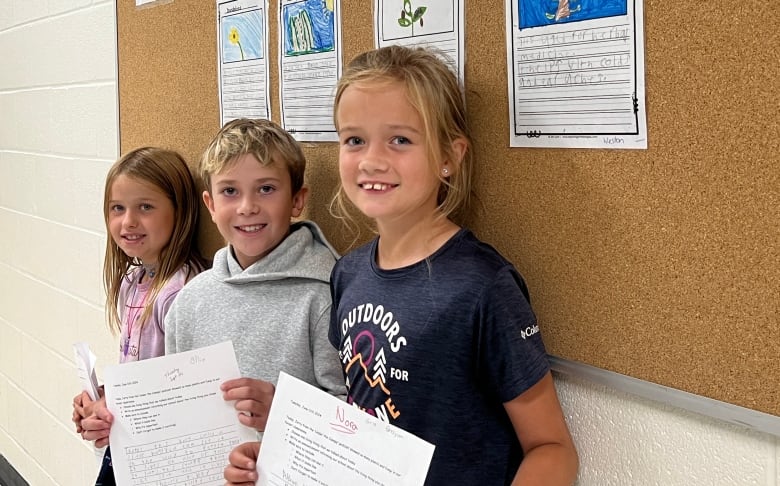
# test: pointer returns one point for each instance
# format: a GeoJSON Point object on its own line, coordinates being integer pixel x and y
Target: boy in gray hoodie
{"type": "Point", "coordinates": [268, 289]}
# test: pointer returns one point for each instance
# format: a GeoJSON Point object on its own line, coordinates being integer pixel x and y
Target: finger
{"type": "Point", "coordinates": [101, 443]}
{"type": "Point", "coordinates": [96, 435]}
{"type": "Point", "coordinates": [256, 422]}
{"type": "Point", "coordinates": [103, 414]}
{"type": "Point", "coordinates": [237, 476]}
{"type": "Point", "coordinates": [236, 382]}
{"type": "Point", "coordinates": [254, 407]}
{"type": "Point", "coordinates": [262, 392]}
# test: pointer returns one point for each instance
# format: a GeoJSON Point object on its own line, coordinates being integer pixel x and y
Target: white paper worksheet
{"type": "Point", "coordinates": [315, 438]}
{"type": "Point", "coordinates": [437, 24]}
{"type": "Point", "coordinates": [242, 33]}
{"type": "Point", "coordinates": [576, 74]}
{"type": "Point", "coordinates": [309, 67]}
{"type": "Point", "coordinates": [171, 425]}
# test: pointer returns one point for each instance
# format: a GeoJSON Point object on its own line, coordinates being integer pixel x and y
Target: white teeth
{"type": "Point", "coordinates": [251, 229]}
{"type": "Point", "coordinates": [133, 237]}
{"type": "Point", "coordinates": [375, 187]}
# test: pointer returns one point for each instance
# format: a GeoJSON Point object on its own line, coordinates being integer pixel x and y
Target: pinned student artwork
{"type": "Point", "coordinates": [429, 23]}
{"type": "Point", "coordinates": [309, 67]}
{"type": "Point", "coordinates": [576, 74]}
{"type": "Point", "coordinates": [242, 27]}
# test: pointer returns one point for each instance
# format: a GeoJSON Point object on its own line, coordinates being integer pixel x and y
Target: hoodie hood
{"type": "Point", "coordinates": [304, 253]}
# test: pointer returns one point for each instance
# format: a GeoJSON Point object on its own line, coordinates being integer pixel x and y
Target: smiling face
{"type": "Point", "coordinates": [252, 205]}
{"type": "Point", "coordinates": [140, 218]}
{"type": "Point", "coordinates": [383, 157]}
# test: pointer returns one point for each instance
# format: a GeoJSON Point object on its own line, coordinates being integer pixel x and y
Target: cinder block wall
{"type": "Point", "coordinates": [58, 136]}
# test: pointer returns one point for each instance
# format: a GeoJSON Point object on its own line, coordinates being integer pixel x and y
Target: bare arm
{"type": "Point", "coordinates": [550, 458]}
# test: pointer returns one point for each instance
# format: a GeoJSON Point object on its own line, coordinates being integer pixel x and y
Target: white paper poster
{"type": "Point", "coordinates": [309, 67]}
{"type": "Point", "coordinates": [433, 23]}
{"type": "Point", "coordinates": [576, 74]}
{"type": "Point", "coordinates": [242, 30]}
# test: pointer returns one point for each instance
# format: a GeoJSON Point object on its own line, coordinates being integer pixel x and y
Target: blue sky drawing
{"type": "Point", "coordinates": [322, 25]}
{"type": "Point", "coordinates": [533, 13]}
{"type": "Point", "coordinates": [250, 31]}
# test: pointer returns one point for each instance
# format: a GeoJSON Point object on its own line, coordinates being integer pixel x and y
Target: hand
{"type": "Point", "coordinates": [97, 425]}
{"type": "Point", "coordinates": [82, 408]}
{"type": "Point", "coordinates": [241, 471]}
{"type": "Point", "coordinates": [253, 398]}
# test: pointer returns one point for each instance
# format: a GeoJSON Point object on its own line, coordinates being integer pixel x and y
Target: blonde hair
{"type": "Point", "coordinates": [167, 171]}
{"type": "Point", "coordinates": [433, 90]}
{"type": "Point", "coordinates": [264, 139]}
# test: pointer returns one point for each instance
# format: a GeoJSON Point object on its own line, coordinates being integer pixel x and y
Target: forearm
{"type": "Point", "coordinates": [548, 465]}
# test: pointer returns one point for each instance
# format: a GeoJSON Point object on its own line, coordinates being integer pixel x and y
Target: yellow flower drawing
{"type": "Point", "coordinates": [235, 38]}
{"type": "Point", "coordinates": [329, 5]}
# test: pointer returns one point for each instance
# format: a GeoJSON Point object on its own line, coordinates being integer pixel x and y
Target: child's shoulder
{"type": "Point", "coordinates": [469, 254]}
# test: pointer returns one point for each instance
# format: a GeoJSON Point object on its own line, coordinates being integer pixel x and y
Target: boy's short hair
{"type": "Point", "coordinates": [267, 141]}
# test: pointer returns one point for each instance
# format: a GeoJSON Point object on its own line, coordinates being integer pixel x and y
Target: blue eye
{"type": "Point", "coordinates": [146, 207]}
{"type": "Point", "coordinates": [117, 208]}
{"type": "Point", "coordinates": [353, 141]}
{"type": "Point", "coordinates": [229, 191]}
{"type": "Point", "coordinates": [266, 189]}
{"type": "Point", "coordinates": [400, 140]}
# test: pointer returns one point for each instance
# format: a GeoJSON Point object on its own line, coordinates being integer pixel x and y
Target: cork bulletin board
{"type": "Point", "coordinates": [659, 264]}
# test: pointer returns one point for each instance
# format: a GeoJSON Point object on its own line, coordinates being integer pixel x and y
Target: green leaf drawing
{"type": "Point", "coordinates": [409, 18]}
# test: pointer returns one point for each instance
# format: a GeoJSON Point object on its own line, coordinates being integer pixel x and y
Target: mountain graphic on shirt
{"type": "Point", "coordinates": [370, 397]}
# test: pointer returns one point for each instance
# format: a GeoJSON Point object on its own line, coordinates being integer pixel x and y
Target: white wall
{"type": "Point", "coordinates": [58, 135]}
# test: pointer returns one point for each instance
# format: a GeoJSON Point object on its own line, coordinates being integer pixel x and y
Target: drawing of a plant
{"type": "Point", "coordinates": [408, 18]}
{"type": "Point", "coordinates": [236, 39]}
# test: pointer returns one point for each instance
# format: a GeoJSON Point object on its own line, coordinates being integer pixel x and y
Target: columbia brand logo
{"type": "Point", "coordinates": [529, 331]}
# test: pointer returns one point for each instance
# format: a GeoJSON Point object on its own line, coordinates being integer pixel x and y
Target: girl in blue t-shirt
{"type": "Point", "coordinates": [434, 327]}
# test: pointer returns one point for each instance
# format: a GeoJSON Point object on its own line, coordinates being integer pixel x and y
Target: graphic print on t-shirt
{"type": "Point", "coordinates": [369, 332]}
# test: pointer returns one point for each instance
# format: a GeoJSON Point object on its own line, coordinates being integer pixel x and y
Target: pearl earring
{"type": "Point", "coordinates": [445, 171]}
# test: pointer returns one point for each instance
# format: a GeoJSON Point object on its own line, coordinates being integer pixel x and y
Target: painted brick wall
{"type": "Point", "coordinates": [58, 136]}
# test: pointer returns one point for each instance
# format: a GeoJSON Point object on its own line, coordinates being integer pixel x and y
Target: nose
{"type": "Point", "coordinates": [373, 160]}
{"type": "Point", "coordinates": [248, 205]}
{"type": "Point", "coordinates": [130, 219]}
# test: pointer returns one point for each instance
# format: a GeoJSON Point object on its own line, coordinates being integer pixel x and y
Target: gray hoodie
{"type": "Point", "coordinates": [276, 311]}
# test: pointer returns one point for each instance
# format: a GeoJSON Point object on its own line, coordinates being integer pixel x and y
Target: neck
{"type": "Point", "coordinates": [150, 270]}
{"type": "Point", "coordinates": [402, 248]}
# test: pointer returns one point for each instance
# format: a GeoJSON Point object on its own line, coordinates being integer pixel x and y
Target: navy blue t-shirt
{"type": "Point", "coordinates": [436, 348]}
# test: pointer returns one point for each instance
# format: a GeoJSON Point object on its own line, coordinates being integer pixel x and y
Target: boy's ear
{"type": "Point", "coordinates": [299, 201]}
{"type": "Point", "coordinates": [209, 202]}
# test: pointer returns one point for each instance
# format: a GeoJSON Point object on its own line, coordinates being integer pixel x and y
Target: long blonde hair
{"type": "Point", "coordinates": [166, 170]}
{"type": "Point", "coordinates": [433, 90]}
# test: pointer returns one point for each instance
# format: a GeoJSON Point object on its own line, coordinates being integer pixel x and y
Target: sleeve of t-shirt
{"type": "Point", "coordinates": [327, 367]}
{"type": "Point", "coordinates": [512, 354]}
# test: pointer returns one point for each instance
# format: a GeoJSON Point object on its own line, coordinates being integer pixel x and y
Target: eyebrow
{"type": "Point", "coordinates": [254, 181]}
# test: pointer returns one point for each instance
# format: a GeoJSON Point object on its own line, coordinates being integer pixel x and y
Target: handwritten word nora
{"type": "Point", "coordinates": [342, 423]}
{"type": "Point", "coordinates": [365, 313]}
